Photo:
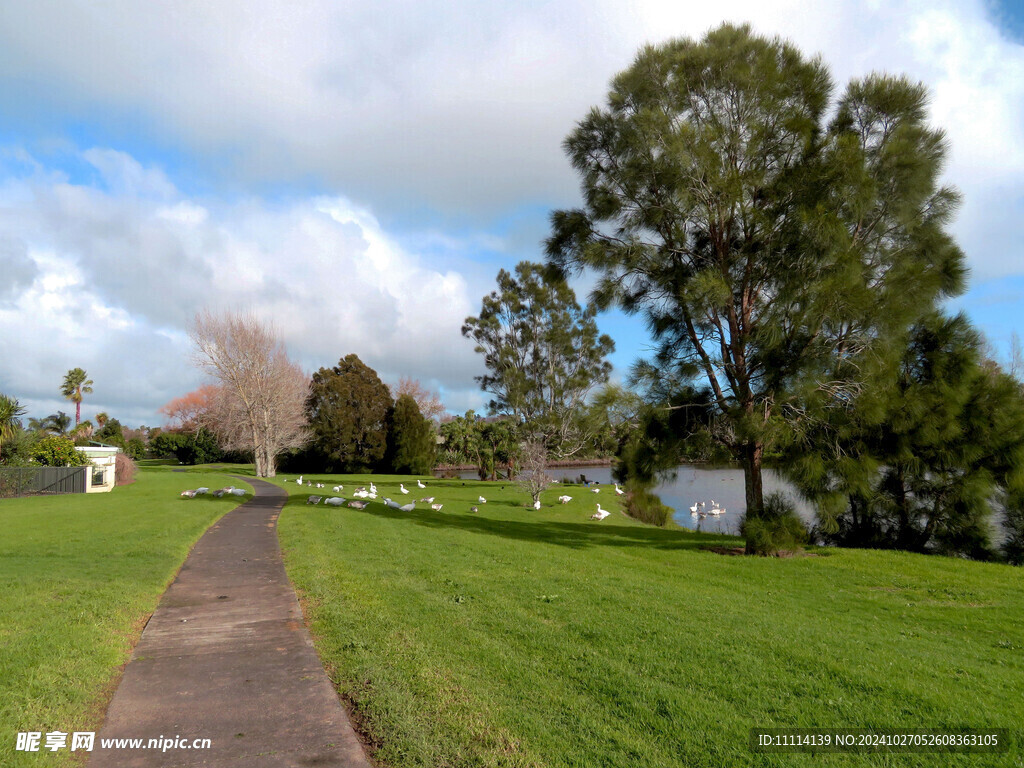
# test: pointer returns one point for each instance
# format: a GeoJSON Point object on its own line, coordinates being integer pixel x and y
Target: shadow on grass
{"type": "Point", "coordinates": [572, 535]}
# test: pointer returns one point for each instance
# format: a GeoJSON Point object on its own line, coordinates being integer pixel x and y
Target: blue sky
{"type": "Point", "coordinates": [358, 173]}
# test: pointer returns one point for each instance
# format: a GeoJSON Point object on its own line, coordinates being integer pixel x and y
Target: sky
{"type": "Point", "coordinates": [357, 173]}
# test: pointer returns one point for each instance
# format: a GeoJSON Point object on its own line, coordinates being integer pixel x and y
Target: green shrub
{"type": "Point", "coordinates": [57, 451]}
{"type": "Point", "coordinates": [644, 505]}
{"type": "Point", "coordinates": [777, 529]}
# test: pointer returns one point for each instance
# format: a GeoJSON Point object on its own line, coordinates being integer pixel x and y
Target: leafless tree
{"type": "Point", "coordinates": [261, 398]}
{"type": "Point", "coordinates": [533, 464]}
{"type": "Point", "coordinates": [1015, 365]}
{"type": "Point", "coordinates": [429, 403]}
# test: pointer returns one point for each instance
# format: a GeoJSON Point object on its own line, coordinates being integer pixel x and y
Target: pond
{"type": "Point", "coordinates": [693, 483]}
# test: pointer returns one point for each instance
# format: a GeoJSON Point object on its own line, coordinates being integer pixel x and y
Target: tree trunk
{"type": "Point", "coordinates": [78, 413]}
{"type": "Point", "coordinates": [752, 485]}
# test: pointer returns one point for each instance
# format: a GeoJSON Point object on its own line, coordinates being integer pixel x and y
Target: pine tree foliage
{"type": "Point", "coordinates": [770, 252]}
{"type": "Point", "coordinates": [412, 447]}
{"type": "Point", "coordinates": [543, 354]}
{"type": "Point", "coordinates": [931, 448]}
{"type": "Point", "coordinates": [348, 409]}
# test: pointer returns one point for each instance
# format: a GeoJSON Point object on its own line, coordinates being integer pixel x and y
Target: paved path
{"type": "Point", "coordinates": [226, 657]}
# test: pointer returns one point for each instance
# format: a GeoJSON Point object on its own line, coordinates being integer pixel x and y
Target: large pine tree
{"type": "Point", "coordinates": [771, 252]}
{"type": "Point", "coordinates": [347, 410]}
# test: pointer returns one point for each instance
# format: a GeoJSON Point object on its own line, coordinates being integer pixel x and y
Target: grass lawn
{"type": "Point", "coordinates": [521, 637]}
{"type": "Point", "coordinates": [79, 575]}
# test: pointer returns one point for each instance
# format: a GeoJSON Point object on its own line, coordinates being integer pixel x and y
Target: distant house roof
{"type": "Point", "coordinates": [98, 449]}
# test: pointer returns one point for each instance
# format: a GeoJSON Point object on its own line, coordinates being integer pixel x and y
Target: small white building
{"type": "Point", "coordinates": [100, 478]}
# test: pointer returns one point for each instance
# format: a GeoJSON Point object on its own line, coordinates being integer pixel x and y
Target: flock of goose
{"type": "Point", "coordinates": [191, 494]}
{"type": "Point", "coordinates": [363, 495]}
{"type": "Point", "coordinates": [699, 510]}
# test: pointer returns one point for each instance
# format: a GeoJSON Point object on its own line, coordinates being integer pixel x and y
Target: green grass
{"type": "Point", "coordinates": [517, 637]}
{"type": "Point", "coordinates": [79, 574]}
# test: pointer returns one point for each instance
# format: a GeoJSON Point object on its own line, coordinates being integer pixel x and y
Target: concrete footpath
{"type": "Point", "coordinates": [226, 657]}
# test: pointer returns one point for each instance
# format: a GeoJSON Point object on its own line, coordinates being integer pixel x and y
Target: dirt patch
{"type": "Point", "coordinates": [743, 551]}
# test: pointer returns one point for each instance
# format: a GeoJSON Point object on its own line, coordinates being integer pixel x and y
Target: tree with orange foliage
{"type": "Point", "coordinates": [190, 412]}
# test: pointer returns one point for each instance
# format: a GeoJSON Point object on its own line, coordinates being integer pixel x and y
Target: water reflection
{"type": "Point", "coordinates": [723, 486]}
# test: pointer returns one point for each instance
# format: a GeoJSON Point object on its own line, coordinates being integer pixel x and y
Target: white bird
{"type": "Point", "coordinates": [601, 514]}
{"type": "Point", "coordinates": [420, 484]}
{"type": "Point", "coordinates": [334, 501]}
{"type": "Point", "coordinates": [319, 485]}
{"type": "Point", "coordinates": [313, 500]}
{"type": "Point", "coordinates": [694, 508]}
{"type": "Point", "coordinates": [373, 488]}
{"type": "Point", "coordinates": [618, 490]}
{"type": "Point", "coordinates": [237, 492]}
{"type": "Point", "coordinates": [536, 504]}
{"type": "Point", "coordinates": [339, 488]}
{"type": "Point", "coordinates": [299, 481]}
{"type": "Point", "coordinates": [436, 507]}
{"type": "Point", "coordinates": [189, 494]}
{"type": "Point", "coordinates": [715, 511]}
{"type": "Point", "coordinates": [408, 507]}
{"type": "Point", "coordinates": [564, 499]}
{"type": "Point", "coordinates": [361, 493]}
{"type": "Point", "coordinates": [402, 488]}
{"type": "Point", "coordinates": [204, 489]}
{"type": "Point", "coordinates": [712, 503]}
{"type": "Point", "coordinates": [596, 490]}
{"type": "Point", "coordinates": [482, 500]}
{"type": "Point", "coordinates": [392, 504]}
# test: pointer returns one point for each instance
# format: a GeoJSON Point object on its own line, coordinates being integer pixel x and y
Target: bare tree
{"type": "Point", "coordinates": [1015, 365]}
{"type": "Point", "coordinates": [429, 403]}
{"type": "Point", "coordinates": [261, 399]}
{"type": "Point", "coordinates": [533, 464]}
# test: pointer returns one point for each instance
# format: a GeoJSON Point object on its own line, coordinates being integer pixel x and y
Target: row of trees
{"type": "Point", "coordinates": [261, 405]}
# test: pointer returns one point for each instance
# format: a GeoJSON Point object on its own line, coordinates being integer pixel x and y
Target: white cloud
{"type": "Point", "coordinates": [114, 274]}
{"type": "Point", "coordinates": [461, 108]}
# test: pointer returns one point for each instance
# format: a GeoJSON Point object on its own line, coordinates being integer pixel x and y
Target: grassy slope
{"type": "Point", "coordinates": [516, 637]}
{"type": "Point", "coordinates": [78, 576]}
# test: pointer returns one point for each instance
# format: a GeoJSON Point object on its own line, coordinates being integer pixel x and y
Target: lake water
{"type": "Point", "coordinates": [690, 485]}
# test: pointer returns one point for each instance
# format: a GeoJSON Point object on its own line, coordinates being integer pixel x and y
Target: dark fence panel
{"type": "Point", "coordinates": [24, 481]}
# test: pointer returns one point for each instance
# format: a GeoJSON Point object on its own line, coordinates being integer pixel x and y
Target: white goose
{"type": "Point", "coordinates": [601, 514]}
{"type": "Point", "coordinates": [419, 484]}
{"type": "Point", "coordinates": [402, 488]}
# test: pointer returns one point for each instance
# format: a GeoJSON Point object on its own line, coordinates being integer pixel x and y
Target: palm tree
{"type": "Point", "coordinates": [75, 385]}
{"type": "Point", "coordinates": [10, 417]}
{"type": "Point", "coordinates": [57, 423]}
{"type": "Point", "coordinates": [101, 419]}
